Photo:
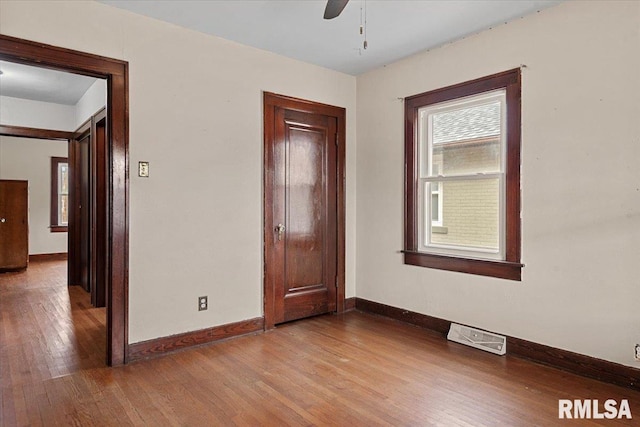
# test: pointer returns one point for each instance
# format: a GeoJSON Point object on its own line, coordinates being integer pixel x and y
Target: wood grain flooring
{"type": "Point", "coordinates": [354, 369]}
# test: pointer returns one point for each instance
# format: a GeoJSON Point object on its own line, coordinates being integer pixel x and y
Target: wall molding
{"type": "Point", "coordinates": [350, 304]}
{"type": "Point", "coordinates": [568, 361]}
{"type": "Point", "coordinates": [60, 256]}
{"type": "Point", "coordinates": [26, 132]}
{"type": "Point", "coordinates": [159, 346]}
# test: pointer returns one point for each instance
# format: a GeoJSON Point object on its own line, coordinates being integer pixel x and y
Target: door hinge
{"type": "Point", "coordinates": [336, 139]}
{"type": "Point", "coordinates": [336, 281]}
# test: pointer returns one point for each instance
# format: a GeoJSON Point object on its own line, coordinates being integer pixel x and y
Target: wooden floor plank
{"type": "Point", "coordinates": [353, 369]}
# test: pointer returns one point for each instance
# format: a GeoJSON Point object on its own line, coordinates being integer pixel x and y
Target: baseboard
{"type": "Point", "coordinates": [163, 345]}
{"type": "Point", "coordinates": [350, 304]}
{"type": "Point", "coordinates": [422, 320]}
{"type": "Point", "coordinates": [61, 256]}
{"type": "Point", "coordinates": [568, 361]}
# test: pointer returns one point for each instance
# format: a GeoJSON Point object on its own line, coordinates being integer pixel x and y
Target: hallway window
{"type": "Point", "coordinates": [59, 194]}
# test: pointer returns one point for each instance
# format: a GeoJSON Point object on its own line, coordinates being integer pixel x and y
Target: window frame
{"type": "Point", "coordinates": [510, 267]}
{"type": "Point", "coordinates": [55, 226]}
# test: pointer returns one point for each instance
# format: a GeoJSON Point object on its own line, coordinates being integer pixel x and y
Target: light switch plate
{"type": "Point", "coordinates": [143, 169]}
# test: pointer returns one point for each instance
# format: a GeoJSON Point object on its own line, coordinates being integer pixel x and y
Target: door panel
{"type": "Point", "coordinates": [309, 198]}
{"type": "Point", "coordinates": [301, 195]}
{"type": "Point", "coordinates": [80, 210]}
{"type": "Point", "coordinates": [14, 224]}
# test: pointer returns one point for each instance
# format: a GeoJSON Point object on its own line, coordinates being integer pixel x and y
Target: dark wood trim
{"type": "Point", "coordinates": [424, 321]}
{"type": "Point", "coordinates": [116, 73]}
{"type": "Point", "coordinates": [60, 256]}
{"type": "Point", "coordinates": [159, 346]}
{"type": "Point", "coordinates": [26, 132]}
{"type": "Point", "coordinates": [55, 227]}
{"type": "Point", "coordinates": [482, 267]}
{"type": "Point", "coordinates": [576, 363]}
{"type": "Point", "coordinates": [511, 268]}
{"type": "Point", "coordinates": [99, 207]}
{"type": "Point", "coordinates": [270, 102]}
{"type": "Point", "coordinates": [350, 304]}
{"type": "Point", "coordinates": [568, 361]}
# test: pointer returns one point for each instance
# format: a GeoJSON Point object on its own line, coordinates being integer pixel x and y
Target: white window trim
{"type": "Point", "coordinates": [426, 176]}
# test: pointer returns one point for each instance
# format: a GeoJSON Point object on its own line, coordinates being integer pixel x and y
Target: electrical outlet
{"type": "Point", "coordinates": [637, 355]}
{"type": "Point", "coordinates": [203, 303]}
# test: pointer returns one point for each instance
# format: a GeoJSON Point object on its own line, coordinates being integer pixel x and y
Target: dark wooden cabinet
{"type": "Point", "coordinates": [14, 225]}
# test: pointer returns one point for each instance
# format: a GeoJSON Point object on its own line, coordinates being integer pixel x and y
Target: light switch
{"type": "Point", "coordinates": [143, 169]}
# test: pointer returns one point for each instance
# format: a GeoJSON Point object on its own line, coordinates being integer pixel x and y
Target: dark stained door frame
{"type": "Point", "coordinates": [117, 188]}
{"type": "Point", "coordinates": [99, 230]}
{"type": "Point", "coordinates": [271, 103]}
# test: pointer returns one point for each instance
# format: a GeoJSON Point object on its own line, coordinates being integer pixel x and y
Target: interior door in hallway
{"type": "Point", "coordinates": [79, 237]}
{"type": "Point", "coordinates": [14, 224]}
{"type": "Point", "coordinates": [301, 226]}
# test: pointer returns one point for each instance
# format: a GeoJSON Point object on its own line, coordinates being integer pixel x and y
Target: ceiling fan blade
{"type": "Point", "coordinates": [334, 8]}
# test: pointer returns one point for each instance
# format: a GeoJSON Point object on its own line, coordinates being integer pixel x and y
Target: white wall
{"type": "Point", "coordinates": [37, 114]}
{"type": "Point", "coordinates": [196, 116]}
{"type": "Point", "coordinates": [580, 181]}
{"type": "Point", "coordinates": [49, 115]}
{"type": "Point", "coordinates": [93, 100]}
{"type": "Point", "coordinates": [30, 159]}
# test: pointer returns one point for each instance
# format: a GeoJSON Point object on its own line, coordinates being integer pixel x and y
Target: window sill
{"type": "Point", "coordinates": [500, 269]}
{"type": "Point", "coordinates": [59, 228]}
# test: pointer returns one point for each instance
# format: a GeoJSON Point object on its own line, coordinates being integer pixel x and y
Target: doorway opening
{"type": "Point", "coordinates": [112, 186]}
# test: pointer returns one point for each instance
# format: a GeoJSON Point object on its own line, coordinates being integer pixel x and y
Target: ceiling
{"type": "Point", "coordinates": [296, 29]}
{"type": "Point", "coordinates": [42, 84]}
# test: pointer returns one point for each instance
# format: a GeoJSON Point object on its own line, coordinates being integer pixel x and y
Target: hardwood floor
{"type": "Point", "coordinates": [353, 369]}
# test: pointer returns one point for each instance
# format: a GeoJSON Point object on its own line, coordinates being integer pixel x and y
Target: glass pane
{"type": "Point", "coordinates": [434, 206]}
{"type": "Point", "coordinates": [63, 217]}
{"type": "Point", "coordinates": [466, 140]}
{"type": "Point", "coordinates": [63, 172]}
{"type": "Point", "coordinates": [470, 214]}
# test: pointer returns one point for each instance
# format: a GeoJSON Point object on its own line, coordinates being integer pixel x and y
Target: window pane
{"type": "Point", "coordinates": [434, 207]}
{"type": "Point", "coordinates": [469, 158]}
{"type": "Point", "coordinates": [63, 173]}
{"type": "Point", "coordinates": [471, 214]}
{"type": "Point", "coordinates": [467, 139]}
{"type": "Point", "coordinates": [63, 216]}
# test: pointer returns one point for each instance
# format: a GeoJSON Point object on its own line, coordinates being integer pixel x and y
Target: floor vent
{"type": "Point", "coordinates": [477, 338]}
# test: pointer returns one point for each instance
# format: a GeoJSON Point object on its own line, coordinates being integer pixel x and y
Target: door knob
{"type": "Point", "coordinates": [280, 229]}
{"type": "Point", "coordinates": [3, 220]}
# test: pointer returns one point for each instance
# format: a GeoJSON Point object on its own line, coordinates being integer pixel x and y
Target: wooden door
{"type": "Point", "coordinates": [99, 171]}
{"type": "Point", "coordinates": [79, 238]}
{"type": "Point", "coordinates": [302, 242]}
{"type": "Point", "coordinates": [14, 225]}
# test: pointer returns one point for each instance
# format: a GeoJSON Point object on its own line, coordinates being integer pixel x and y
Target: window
{"type": "Point", "coordinates": [59, 194]}
{"type": "Point", "coordinates": [462, 202]}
